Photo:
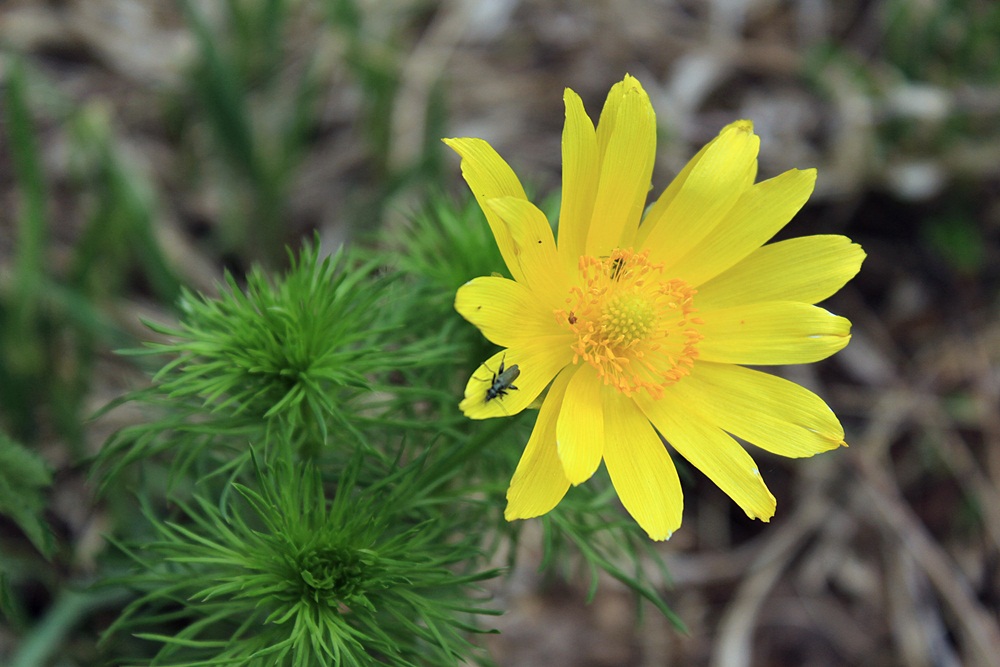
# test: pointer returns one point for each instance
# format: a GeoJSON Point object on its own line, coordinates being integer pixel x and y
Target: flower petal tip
{"type": "Point", "coordinates": [577, 474]}
{"type": "Point", "coordinates": [743, 125]}
{"type": "Point", "coordinates": [631, 83]}
{"type": "Point", "coordinates": [660, 537]}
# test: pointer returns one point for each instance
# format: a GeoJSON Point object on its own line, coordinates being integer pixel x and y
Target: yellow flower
{"type": "Point", "coordinates": [640, 331]}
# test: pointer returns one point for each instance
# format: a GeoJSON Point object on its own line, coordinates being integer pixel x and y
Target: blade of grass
{"type": "Point", "coordinates": [31, 235]}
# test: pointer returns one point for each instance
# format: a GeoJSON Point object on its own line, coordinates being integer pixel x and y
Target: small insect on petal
{"type": "Point", "coordinates": [502, 382]}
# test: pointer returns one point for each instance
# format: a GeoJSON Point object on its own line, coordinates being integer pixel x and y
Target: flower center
{"type": "Point", "coordinates": [634, 326]}
{"type": "Point", "coordinates": [627, 317]}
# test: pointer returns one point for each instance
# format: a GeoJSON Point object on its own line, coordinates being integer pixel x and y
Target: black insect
{"type": "Point", "coordinates": [616, 267]}
{"type": "Point", "coordinates": [502, 382]}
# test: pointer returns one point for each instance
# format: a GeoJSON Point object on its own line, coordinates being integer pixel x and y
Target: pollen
{"type": "Point", "coordinates": [635, 326]}
{"type": "Point", "coordinates": [628, 317]}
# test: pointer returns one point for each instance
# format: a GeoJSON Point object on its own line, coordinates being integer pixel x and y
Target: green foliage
{"type": "Point", "coordinates": [23, 352]}
{"type": "Point", "coordinates": [258, 111]}
{"type": "Point", "coordinates": [284, 575]}
{"type": "Point", "coordinates": [51, 326]}
{"type": "Point", "coordinates": [277, 350]}
{"type": "Point", "coordinates": [300, 357]}
{"type": "Point", "coordinates": [24, 477]}
{"type": "Point", "coordinates": [252, 109]}
{"type": "Point", "coordinates": [376, 69]}
{"type": "Point", "coordinates": [354, 538]}
{"type": "Point", "coordinates": [959, 40]}
{"type": "Point", "coordinates": [118, 232]}
{"type": "Point", "coordinates": [375, 54]}
{"type": "Point", "coordinates": [443, 247]}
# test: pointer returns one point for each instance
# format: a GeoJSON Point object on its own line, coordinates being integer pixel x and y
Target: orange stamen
{"type": "Point", "coordinates": [635, 327]}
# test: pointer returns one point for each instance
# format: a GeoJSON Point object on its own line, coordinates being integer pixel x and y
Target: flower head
{"type": "Point", "coordinates": [640, 325]}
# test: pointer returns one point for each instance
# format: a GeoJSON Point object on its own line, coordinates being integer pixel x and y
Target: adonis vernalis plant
{"type": "Point", "coordinates": [286, 572]}
{"type": "Point", "coordinates": [640, 325]}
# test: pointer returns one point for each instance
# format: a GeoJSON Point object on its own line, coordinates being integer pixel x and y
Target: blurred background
{"type": "Point", "coordinates": [147, 146]}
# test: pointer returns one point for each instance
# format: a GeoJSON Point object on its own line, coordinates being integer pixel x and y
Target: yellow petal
{"type": "Point", "coordinates": [712, 187]}
{"type": "Point", "coordinates": [763, 409]}
{"type": "Point", "coordinates": [580, 429]}
{"type": "Point", "coordinates": [626, 136]}
{"type": "Point", "coordinates": [579, 181]}
{"type": "Point", "coordinates": [668, 195]}
{"type": "Point", "coordinates": [713, 452]}
{"type": "Point", "coordinates": [505, 311]}
{"type": "Point", "coordinates": [640, 468]}
{"type": "Point", "coordinates": [537, 363]}
{"type": "Point", "coordinates": [490, 177]}
{"type": "Point", "coordinates": [771, 333]}
{"type": "Point", "coordinates": [807, 269]}
{"type": "Point", "coordinates": [534, 248]}
{"type": "Point", "coordinates": [539, 482]}
{"type": "Point", "coordinates": [759, 214]}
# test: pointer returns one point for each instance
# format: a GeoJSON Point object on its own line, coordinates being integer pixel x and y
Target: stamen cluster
{"type": "Point", "coordinates": [633, 325]}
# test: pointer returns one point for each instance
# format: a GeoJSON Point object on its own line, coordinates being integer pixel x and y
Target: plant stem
{"type": "Point", "coordinates": [46, 638]}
